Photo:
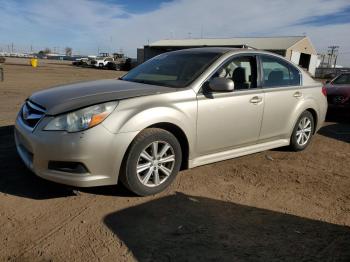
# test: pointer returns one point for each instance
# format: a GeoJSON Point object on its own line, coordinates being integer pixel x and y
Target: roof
{"type": "Point", "coordinates": [267, 43]}
{"type": "Point", "coordinates": [218, 50]}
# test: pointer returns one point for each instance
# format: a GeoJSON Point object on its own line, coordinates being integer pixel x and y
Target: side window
{"type": "Point", "coordinates": [279, 73]}
{"type": "Point", "coordinates": [242, 70]}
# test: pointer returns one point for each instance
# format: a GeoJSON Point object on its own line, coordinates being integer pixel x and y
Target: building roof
{"type": "Point", "coordinates": [267, 43]}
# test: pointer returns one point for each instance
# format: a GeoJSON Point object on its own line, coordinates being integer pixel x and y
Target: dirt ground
{"type": "Point", "coordinates": [271, 206]}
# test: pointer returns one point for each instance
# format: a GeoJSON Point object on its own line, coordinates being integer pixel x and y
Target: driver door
{"type": "Point", "coordinates": [231, 119]}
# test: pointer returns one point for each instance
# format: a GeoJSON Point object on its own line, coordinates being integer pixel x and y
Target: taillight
{"type": "Point", "coordinates": [324, 91]}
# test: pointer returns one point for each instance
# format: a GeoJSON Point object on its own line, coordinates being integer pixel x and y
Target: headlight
{"type": "Point", "coordinates": [81, 119]}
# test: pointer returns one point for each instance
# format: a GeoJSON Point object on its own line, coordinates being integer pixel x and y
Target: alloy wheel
{"type": "Point", "coordinates": [155, 163]}
{"type": "Point", "coordinates": [304, 131]}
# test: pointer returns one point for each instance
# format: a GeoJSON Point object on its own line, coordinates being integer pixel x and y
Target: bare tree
{"type": "Point", "coordinates": [44, 52]}
{"type": "Point", "coordinates": [47, 51]}
{"type": "Point", "coordinates": [69, 51]}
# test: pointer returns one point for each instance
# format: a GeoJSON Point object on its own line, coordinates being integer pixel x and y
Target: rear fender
{"type": "Point", "coordinates": [307, 103]}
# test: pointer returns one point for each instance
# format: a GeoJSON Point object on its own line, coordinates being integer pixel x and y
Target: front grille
{"type": "Point", "coordinates": [32, 113]}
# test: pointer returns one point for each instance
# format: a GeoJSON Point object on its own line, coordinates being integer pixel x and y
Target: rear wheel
{"type": "Point", "coordinates": [152, 162]}
{"type": "Point", "coordinates": [302, 132]}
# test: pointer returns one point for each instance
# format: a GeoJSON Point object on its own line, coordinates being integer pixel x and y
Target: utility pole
{"type": "Point", "coordinates": [335, 61]}
{"type": "Point", "coordinates": [332, 52]}
{"type": "Point", "coordinates": [322, 61]}
{"type": "Point", "coordinates": [111, 45]}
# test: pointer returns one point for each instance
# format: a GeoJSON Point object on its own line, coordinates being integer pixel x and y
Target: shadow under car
{"type": "Point", "coordinates": [188, 228]}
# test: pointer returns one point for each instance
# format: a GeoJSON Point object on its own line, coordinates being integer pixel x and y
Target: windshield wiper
{"type": "Point", "coordinates": [143, 81]}
{"type": "Point", "coordinates": [149, 82]}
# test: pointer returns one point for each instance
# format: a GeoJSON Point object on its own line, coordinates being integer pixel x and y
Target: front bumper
{"type": "Point", "coordinates": [99, 150]}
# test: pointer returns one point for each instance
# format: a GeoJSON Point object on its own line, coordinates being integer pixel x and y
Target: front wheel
{"type": "Point", "coordinates": [302, 132]}
{"type": "Point", "coordinates": [152, 162]}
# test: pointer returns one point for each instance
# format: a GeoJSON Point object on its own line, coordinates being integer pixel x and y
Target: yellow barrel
{"type": "Point", "coordinates": [34, 62]}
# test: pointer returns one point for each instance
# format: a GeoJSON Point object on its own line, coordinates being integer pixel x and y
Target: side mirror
{"type": "Point", "coordinates": [220, 84]}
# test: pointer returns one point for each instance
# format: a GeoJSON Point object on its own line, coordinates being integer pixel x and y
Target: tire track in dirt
{"type": "Point", "coordinates": [103, 240]}
{"type": "Point", "coordinates": [57, 228]}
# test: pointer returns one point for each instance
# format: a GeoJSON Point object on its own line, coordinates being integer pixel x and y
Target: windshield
{"type": "Point", "coordinates": [172, 69]}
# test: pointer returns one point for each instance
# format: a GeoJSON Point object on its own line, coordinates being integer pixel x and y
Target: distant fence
{"type": "Point", "coordinates": [330, 72]}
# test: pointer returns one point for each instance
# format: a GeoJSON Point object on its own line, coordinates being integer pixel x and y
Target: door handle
{"type": "Point", "coordinates": [298, 94]}
{"type": "Point", "coordinates": [255, 100]}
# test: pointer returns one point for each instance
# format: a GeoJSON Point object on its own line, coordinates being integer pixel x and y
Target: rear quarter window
{"type": "Point", "coordinates": [278, 73]}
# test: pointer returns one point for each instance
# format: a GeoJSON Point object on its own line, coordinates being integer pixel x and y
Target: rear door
{"type": "Point", "coordinates": [281, 83]}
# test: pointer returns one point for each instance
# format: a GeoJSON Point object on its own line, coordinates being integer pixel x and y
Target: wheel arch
{"type": "Point", "coordinates": [315, 116]}
{"type": "Point", "coordinates": [177, 132]}
{"type": "Point", "coordinates": [180, 136]}
{"type": "Point", "coordinates": [309, 105]}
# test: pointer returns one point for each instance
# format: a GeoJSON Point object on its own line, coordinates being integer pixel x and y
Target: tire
{"type": "Point", "coordinates": [144, 172]}
{"type": "Point", "coordinates": [100, 65]}
{"type": "Point", "coordinates": [302, 132]}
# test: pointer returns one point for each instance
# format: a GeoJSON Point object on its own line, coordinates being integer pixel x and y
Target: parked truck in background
{"type": "Point", "coordinates": [101, 62]}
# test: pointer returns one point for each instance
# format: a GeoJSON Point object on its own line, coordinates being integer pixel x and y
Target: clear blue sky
{"type": "Point", "coordinates": [114, 25]}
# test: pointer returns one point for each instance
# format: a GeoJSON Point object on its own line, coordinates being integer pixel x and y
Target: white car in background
{"type": "Point", "coordinates": [101, 62]}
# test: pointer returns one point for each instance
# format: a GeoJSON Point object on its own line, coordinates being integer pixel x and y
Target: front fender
{"type": "Point", "coordinates": [136, 114]}
{"type": "Point", "coordinates": [141, 120]}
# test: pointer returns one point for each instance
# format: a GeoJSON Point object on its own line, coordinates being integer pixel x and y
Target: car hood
{"type": "Point", "coordinates": [343, 90]}
{"type": "Point", "coordinates": [66, 98]}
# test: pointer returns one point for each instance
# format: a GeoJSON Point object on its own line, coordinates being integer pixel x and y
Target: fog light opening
{"type": "Point", "coordinates": [68, 167]}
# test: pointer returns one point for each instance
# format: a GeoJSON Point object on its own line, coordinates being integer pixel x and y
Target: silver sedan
{"type": "Point", "coordinates": [178, 110]}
